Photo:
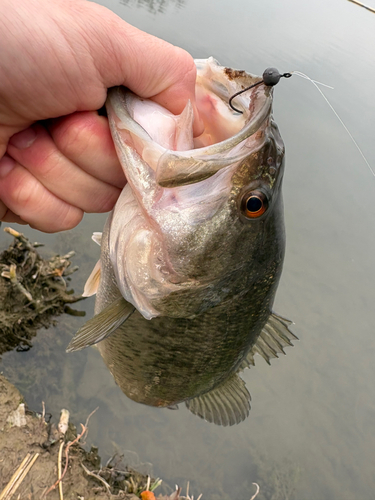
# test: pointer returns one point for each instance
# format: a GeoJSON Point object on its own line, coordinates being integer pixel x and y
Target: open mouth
{"type": "Point", "coordinates": [165, 141]}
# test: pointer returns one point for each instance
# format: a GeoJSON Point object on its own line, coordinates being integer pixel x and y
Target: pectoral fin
{"type": "Point", "coordinates": [227, 404]}
{"type": "Point", "coordinates": [274, 336]}
{"type": "Point", "coordinates": [92, 283]}
{"type": "Point", "coordinates": [101, 325]}
{"type": "Point", "coordinates": [97, 237]}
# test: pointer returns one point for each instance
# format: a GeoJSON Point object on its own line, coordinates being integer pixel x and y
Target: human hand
{"type": "Point", "coordinates": [58, 58]}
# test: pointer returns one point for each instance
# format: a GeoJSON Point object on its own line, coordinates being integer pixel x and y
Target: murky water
{"type": "Point", "coordinates": [311, 431]}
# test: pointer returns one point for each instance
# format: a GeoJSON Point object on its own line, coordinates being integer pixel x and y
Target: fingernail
{"type": "Point", "coordinates": [6, 165]}
{"type": "Point", "coordinates": [23, 139]}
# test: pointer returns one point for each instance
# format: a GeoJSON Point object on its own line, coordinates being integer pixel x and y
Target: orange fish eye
{"type": "Point", "coordinates": [254, 204]}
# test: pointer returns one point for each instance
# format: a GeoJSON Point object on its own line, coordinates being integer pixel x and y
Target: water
{"type": "Point", "coordinates": [310, 434]}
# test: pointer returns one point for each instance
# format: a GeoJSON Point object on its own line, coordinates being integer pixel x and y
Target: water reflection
{"type": "Point", "coordinates": [154, 6]}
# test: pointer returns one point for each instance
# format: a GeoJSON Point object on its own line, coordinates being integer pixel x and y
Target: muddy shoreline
{"type": "Point", "coordinates": [23, 433]}
{"type": "Point", "coordinates": [34, 450]}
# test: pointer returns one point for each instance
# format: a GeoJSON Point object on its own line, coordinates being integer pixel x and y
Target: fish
{"type": "Point", "coordinates": [192, 253]}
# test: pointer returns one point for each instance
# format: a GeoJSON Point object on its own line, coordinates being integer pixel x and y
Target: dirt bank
{"type": "Point", "coordinates": [30, 463]}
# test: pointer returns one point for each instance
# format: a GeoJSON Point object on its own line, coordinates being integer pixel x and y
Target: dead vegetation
{"type": "Point", "coordinates": [33, 291]}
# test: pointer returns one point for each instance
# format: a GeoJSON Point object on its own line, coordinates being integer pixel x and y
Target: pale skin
{"type": "Point", "coordinates": [58, 58]}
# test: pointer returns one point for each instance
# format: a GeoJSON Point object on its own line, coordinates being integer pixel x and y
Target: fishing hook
{"type": "Point", "coordinates": [271, 77]}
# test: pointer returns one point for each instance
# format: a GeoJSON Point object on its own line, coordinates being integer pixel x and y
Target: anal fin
{"type": "Point", "coordinates": [226, 404]}
{"type": "Point", "coordinates": [102, 325]}
{"type": "Point", "coordinates": [274, 337]}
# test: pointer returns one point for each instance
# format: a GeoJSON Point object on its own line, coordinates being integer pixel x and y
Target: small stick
{"type": "Point", "coordinates": [371, 9]}
{"type": "Point", "coordinates": [43, 412]}
{"type": "Point", "coordinates": [59, 469]}
{"type": "Point", "coordinates": [20, 237]}
{"type": "Point", "coordinates": [84, 430]}
{"type": "Point", "coordinates": [257, 491]}
{"type": "Point", "coordinates": [90, 473]}
{"type": "Point", "coordinates": [18, 476]}
{"type": "Point", "coordinates": [14, 477]}
{"type": "Point", "coordinates": [14, 280]}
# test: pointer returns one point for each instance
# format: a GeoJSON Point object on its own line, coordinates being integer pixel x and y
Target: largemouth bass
{"type": "Point", "coordinates": [192, 253]}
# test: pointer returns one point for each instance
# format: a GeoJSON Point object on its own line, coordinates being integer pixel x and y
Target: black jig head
{"type": "Point", "coordinates": [271, 77]}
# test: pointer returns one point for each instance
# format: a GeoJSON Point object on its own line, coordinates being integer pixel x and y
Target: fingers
{"type": "Point", "coordinates": [49, 180]}
{"type": "Point", "coordinates": [85, 139]}
{"type": "Point", "coordinates": [35, 149]}
{"type": "Point", "coordinates": [31, 201]}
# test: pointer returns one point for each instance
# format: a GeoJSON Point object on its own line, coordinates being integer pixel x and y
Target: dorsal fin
{"type": "Point", "coordinates": [226, 404]}
{"type": "Point", "coordinates": [274, 336]}
{"type": "Point", "coordinates": [92, 283]}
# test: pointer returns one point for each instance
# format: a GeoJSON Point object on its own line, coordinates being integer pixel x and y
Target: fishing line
{"type": "Point", "coordinates": [271, 77]}
{"type": "Point", "coordinates": [315, 83]}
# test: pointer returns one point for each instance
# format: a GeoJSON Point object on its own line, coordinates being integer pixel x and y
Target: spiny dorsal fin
{"type": "Point", "coordinates": [101, 325]}
{"type": "Point", "coordinates": [227, 404]}
{"type": "Point", "coordinates": [97, 237]}
{"type": "Point", "coordinates": [274, 336]}
{"type": "Point", "coordinates": [92, 283]}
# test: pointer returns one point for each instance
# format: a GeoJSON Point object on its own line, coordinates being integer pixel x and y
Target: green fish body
{"type": "Point", "coordinates": [192, 254]}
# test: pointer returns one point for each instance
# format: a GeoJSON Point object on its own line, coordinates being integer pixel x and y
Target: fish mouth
{"type": "Point", "coordinates": [215, 86]}
{"type": "Point", "coordinates": [228, 135]}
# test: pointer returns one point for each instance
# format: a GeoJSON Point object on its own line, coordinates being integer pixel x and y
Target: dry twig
{"type": "Point", "coordinates": [43, 412]}
{"type": "Point", "coordinates": [18, 476]}
{"type": "Point", "coordinates": [59, 469]}
{"type": "Point", "coordinates": [90, 473]}
{"type": "Point", "coordinates": [257, 491]}
{"type": "Point", "coordinates": [71, 443]}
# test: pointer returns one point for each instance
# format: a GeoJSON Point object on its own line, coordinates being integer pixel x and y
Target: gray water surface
{"type": "Point", "coordinates": [311, 431]}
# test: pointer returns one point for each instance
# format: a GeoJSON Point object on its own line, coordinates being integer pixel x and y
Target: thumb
{"type": "Point", "coordinates": [150, 67]}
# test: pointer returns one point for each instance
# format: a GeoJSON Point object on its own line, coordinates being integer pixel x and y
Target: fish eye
{"type": "Point", "coordinates": [254, 204]}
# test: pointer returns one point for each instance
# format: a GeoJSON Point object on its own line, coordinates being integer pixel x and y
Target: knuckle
{"type": "Point", "coordinates": [186, 69]}
{"type": "Point", "coordinates": [68, 219]}
{"type": "Point", "coordinates": [24, 191]}
{"type": "Point", "coordinates": [104, 202]}
{"type": "Point", "coordinates": [73, 135]}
